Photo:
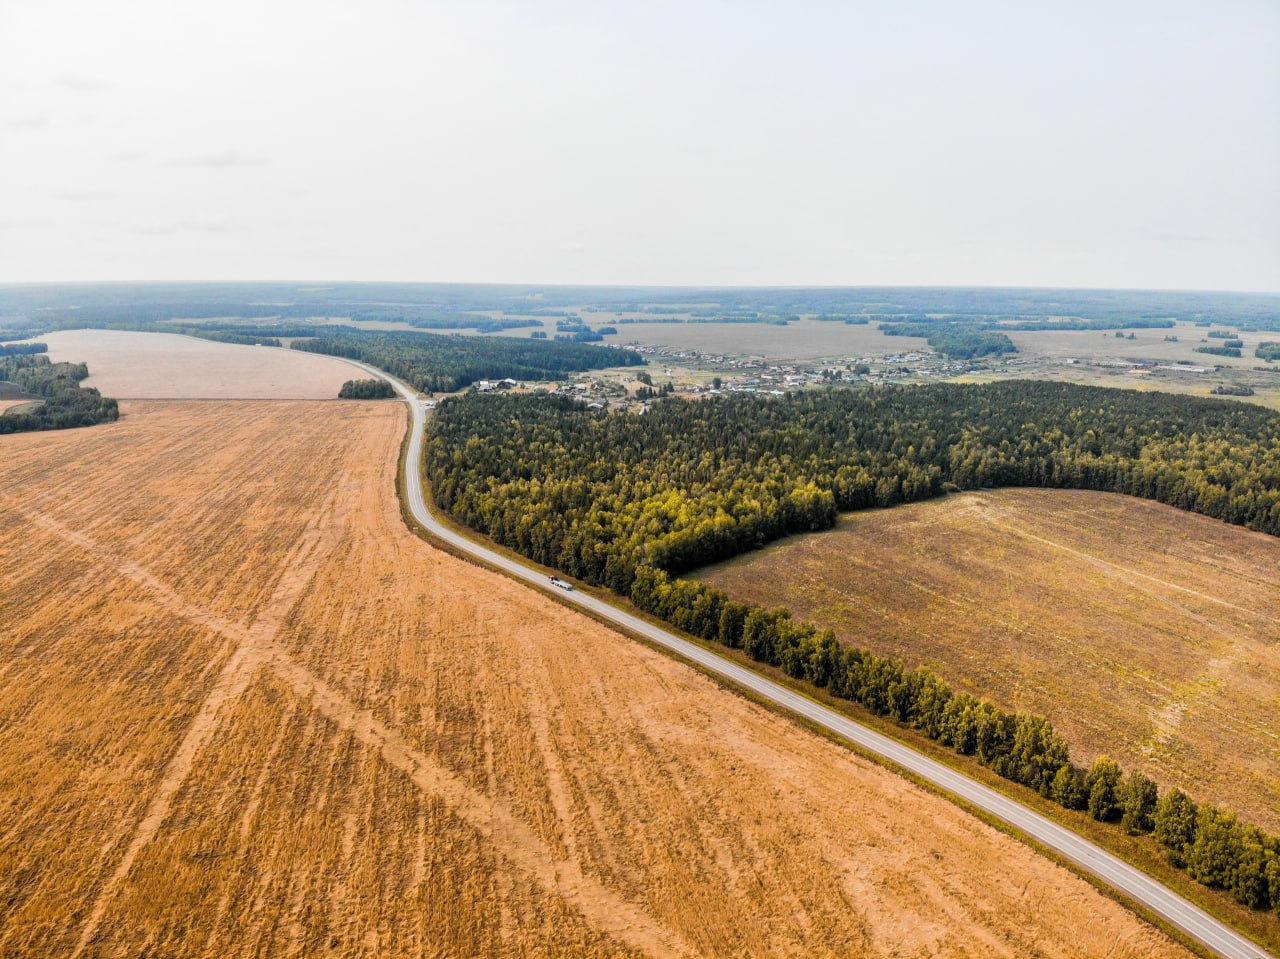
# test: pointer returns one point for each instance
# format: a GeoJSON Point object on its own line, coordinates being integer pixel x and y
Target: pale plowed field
{"type": "Point", "coordinates": [244, 713]}
{"type": "Point", "coordinates": [129, 365]}
{"type": "Point", "coordinates": [1144, 632]}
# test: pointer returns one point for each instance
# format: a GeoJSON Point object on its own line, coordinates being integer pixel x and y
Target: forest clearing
{"type": "Point", "coordinates": [247, 713]}
{"type": "Point", "coordinates": [1142, 631]}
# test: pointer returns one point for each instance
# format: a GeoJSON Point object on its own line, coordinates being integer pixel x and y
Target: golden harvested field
{"type": "Point", "coordinates": [129, 365]}
{"type": "Point", "coordinates": [244, 713]}
{"type": "Point", "coordinates": [1143, 632]}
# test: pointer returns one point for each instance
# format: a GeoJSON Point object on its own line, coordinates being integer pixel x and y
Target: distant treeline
{"type": "Point", "coordinates": [438, 362]}
{"type": "Point", "coordinates": [708, 317]}
{"type": "Point", "coordinates": [164, 316]}
{"type": "Point", "coordinates": [1220, 350]}
{"type": "Point", "coordinates": [23, 349]}
{"type": "Point", "coordinates": [1076, 323]}
{"type": "Point", "coordinates": [23, 309]}
{"type": "Point", "coordinates": [629, 501]}
{"type": "Point", "coordinates": [338, 299]}
{"type": "Point", "coordinates": [366, 390]}
{"type": "Point", "coordinates": [65, 403]}
{"type": "Point", "coordinates": [956, 341]}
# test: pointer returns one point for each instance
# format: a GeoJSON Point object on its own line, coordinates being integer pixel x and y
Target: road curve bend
{"type": "Point", "coordinates": [1092, 859]}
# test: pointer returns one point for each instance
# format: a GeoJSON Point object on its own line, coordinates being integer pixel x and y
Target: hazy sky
{"type": "Point", "coordinates": [1126, 144]}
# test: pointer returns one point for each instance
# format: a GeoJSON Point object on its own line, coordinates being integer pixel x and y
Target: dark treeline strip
{"type": "Point", "coordinates": [1267, 351]}
{"type": "Point", "coordinates": [229, 332]}
{"type": "Point", "coordinates": [23, 349]}
{"type": "Point", "coordinates": [1220, 350]}
{"type": "Point", "coordinates": [366, 390]}
{"type": "Point", "coordinates": [66, 403]}
{"type": "Point", "coordinates": [707, 317]}
{"type": "Point", "coordinates": [627, 501]}
{"type": "Point", "coordinates": [227, 336]}
{"type": "Point", "coordinates": [437, 302]}
{"type": "Point", "coordinates": [580, 336]}
{"type": "Point", "coordinates": [436, 362]}
{"type": "Point", "coordinates": [1076, 323]}
{"type": "Point", "coordinates": [957, 342]}
{"type": "Point", "coordinates": [128, 316]}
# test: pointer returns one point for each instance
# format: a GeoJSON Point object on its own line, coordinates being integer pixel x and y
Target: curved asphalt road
{"type": "Point", "coordinates": [1132, 882]}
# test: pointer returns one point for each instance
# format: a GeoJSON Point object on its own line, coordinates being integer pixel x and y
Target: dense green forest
{"type": "Point", "coordinates": [1267, 351]}
{"type": "Point", "coordinates": [627, 501]}
{"type": "Point", "coordinates": [366, 390]}
{"type": "Point", "coordinates": [23, 349]}
{"type": "Point", "coordinates": [65, 402]}
{"type": "Point", "coordinates": [598, 494]}
{"type": "Point", "coordinates": [435, 362]}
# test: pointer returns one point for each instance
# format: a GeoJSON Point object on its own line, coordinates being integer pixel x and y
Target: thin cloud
{"type": "Point", "coordinates": [218, 161]}
{"type": "Point", "coordinates": [210, 225]}
{"type": "Point", "coordinates": [81, 83]}
{"type": "Point", "coordinates": [24, 224]}
{"type": "Point", "coordinates": [32, 121]}
{"type": "Point", "coordinates": [84, 196]}
{"type": "Point", "coordinates": [1181, 237]}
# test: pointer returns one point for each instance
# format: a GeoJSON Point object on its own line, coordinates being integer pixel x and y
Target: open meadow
{"type": "Point", "coordinates": [244, 712]}
{"type": "Point", "coordinates": [1143, 632]}
{"type": "Point", "coordinates": [128, 365]}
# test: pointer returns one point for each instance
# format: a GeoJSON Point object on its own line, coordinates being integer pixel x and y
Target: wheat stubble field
{"type": "Point", "coordinates": [1143, 632]}
{"type": "Point", "coordinates": [243, 712]}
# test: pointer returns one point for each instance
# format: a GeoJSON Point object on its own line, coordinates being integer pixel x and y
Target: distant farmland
{"type": "Point", "coordinates": [1141, 631]}
{"type": "Point", "coordinates": [169, 366]}
{"type": "Point", "coordinates": [244, 713]}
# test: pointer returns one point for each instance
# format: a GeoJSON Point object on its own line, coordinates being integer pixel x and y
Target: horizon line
{"type": "Point", "coordinates": [647, 286]}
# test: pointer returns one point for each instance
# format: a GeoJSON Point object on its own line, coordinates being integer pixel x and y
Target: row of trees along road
{"type": "Point", "coordinates": [628, 501]}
